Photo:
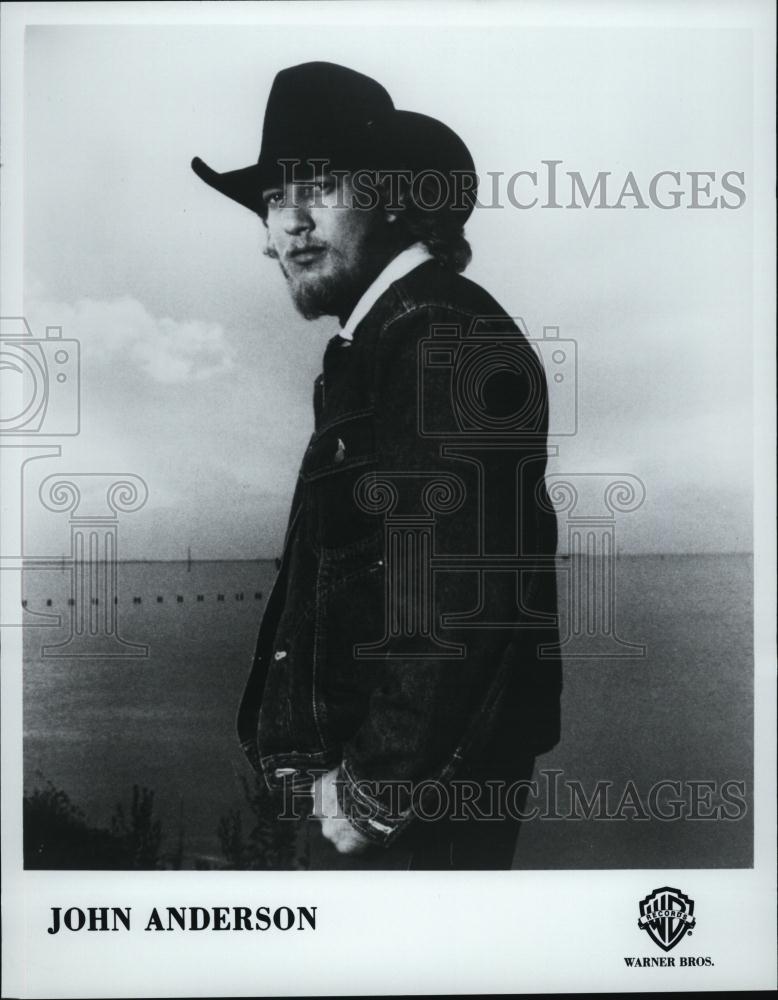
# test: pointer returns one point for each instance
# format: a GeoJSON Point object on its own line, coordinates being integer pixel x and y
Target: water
{"type": "Point", "coordinates": [96, 727]}
{"type": "Point", "coordinates": [683, 713]}
{"type": "Point", "coordinates": [166, 721]}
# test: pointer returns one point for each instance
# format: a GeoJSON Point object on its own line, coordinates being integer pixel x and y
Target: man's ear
{"type": "Point", "coordinates": [393, 200]}
{"type": "Point", "coordinates": [270, 250]}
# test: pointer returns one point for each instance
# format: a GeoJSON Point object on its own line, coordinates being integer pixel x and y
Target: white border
{"type": "Point", "coordinates": [506, 932]}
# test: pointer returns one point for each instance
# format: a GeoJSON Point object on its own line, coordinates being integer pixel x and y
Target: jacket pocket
{"type": "Point", "coordinates": [350, 612]}
{"type": "Point", "coordinates": [336, 458]}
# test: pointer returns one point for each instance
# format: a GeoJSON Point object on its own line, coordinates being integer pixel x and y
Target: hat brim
{"type": "Point", "coordinates": [244, 185]}
{"type": "Point", "coordinates": [400, 140]}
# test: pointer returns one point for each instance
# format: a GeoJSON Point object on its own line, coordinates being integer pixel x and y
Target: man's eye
{"type": "Point", "coordinates": [274, 198]}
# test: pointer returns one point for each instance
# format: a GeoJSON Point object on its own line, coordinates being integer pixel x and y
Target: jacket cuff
{"type": "Point", "coordinates": [249, 748]}
{"type": "Point", "coordinates": [365, 812]}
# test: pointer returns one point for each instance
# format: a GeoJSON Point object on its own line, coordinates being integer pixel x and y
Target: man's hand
{"type": "Point", "coordinates": [335, 828]}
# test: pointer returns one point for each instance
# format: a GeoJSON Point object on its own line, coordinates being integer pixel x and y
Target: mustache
{"type": "Point", "coordinates": [304, 248]}
{"type": "Point", "coordinates": [300, 248]}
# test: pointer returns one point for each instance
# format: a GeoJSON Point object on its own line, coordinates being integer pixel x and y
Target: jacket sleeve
{"type": "Point", "coordinates": [434, 687]}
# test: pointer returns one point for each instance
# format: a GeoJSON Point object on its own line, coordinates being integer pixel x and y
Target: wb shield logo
{"type": "Point", "coordinates": [667, 914]}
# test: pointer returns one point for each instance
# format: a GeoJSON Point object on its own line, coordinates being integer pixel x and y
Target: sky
{"type": "Point", "coordinates": [196, 370]}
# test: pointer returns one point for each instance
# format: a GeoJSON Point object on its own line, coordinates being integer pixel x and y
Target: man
{"type": "Point", "coordinates": [406, 671]}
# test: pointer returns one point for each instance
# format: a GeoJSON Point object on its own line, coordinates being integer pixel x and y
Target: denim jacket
{"type": "Point", "coordinates": [414, 613]}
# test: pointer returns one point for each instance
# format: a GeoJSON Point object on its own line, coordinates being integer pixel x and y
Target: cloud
{"type": "Point", "coordinates": [216, 441]}
{"type": "Point", "coordinates": [124, 332]}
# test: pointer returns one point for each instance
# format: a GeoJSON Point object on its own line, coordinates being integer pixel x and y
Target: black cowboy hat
{"type": "Point", "coordinates": [320, 111]}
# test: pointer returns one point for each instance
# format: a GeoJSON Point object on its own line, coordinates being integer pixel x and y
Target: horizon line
{"type": "Point", "coordinates": [59, 560]}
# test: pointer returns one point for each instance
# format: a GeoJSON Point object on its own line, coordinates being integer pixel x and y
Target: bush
{"type": "Point", "coordinates": [270, 844]}
{"type": "Point", "coordinates": [58, 836]}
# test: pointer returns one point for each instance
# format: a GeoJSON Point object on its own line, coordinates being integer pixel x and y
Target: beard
{"type": "Point", "coordinates": [333, 293]}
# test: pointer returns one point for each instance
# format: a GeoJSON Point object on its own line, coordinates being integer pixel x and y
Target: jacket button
{"type": "Point", "coordinates": [280, 654]}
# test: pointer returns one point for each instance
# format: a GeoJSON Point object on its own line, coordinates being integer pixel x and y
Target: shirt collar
{"type": "Point", "coordinates": [397, 268]}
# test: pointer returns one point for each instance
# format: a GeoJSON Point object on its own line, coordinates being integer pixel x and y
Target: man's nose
{"type": "Point", "coordinates": [297, 219]}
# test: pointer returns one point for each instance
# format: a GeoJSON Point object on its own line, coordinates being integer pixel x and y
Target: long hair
{"type": "Point", "coordinates": [441, 232]}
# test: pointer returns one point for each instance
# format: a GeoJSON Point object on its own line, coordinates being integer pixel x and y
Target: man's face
{"type": "Point", "coordinates": [329, 249]}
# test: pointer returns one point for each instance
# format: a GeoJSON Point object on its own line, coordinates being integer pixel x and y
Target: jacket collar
{"type": "Point", "coordinates": [397, 268]}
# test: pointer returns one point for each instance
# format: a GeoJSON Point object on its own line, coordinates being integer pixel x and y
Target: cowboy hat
{"type": "Point", "coordinates": [319, 111]}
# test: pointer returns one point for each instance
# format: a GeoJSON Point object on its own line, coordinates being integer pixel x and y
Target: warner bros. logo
{"type": "Point", "coordinates": [667, 914]}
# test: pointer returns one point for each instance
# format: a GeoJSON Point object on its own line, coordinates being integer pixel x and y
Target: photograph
{"type": "Point", "coordinates": [388, 443]}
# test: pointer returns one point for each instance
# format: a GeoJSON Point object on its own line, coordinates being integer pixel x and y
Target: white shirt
{"type": "Point", "coordinates": [397, 268]}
